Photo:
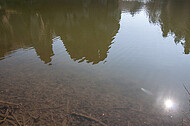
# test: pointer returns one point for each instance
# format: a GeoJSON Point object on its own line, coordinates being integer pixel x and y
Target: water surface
{"type": "Point", "coordinates": [115, 61]}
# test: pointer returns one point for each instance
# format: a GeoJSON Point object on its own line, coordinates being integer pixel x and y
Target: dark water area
{"type": "Point", "coordinates": [94, 62]}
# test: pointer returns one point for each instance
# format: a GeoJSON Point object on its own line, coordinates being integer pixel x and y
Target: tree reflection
{"type": "Point", "coordinates": [174, 19]}
{"type": "Point", "coordinates": [172, 15]}
{"type": "Point", "coordinates": [87, 28]}
{"type": "Point", "coordinates": [132, 7]}
{"type": "Point", "coordinates": [20, 29]}
{"type": "Point", "coordinates": [88, 31]}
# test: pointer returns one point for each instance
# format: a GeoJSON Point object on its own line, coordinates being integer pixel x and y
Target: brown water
{"type": "Point", "coordinates": [94, 62]}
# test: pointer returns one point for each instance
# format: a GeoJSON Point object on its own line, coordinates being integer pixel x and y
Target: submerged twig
{"type": "Point", "coordinates": [35, 119]}
{"type": "Point", "coordinates": [16, 119]}
{"type": "Point", "coordinates": [23, 119]}
{"type": "Point", "coordinates": [46, 108]}
{"type": "Point", "coordinates": [11, 122]}
{"type": "Point", "coordinates": [10, 103]}
{"type": "Point", "coordinates": [5, 117]}
{"type": "Point", "coordinates": [64, 123]}
{"type": "Point", "coordinates": [128, 123]}
{"type": "Point", "coordinates": [53, 119]}
{"type": "Point", "coordinates": [89, 118]}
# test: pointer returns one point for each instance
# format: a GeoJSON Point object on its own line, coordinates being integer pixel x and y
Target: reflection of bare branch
{"type": "Point", "coordinates": [186, 89]}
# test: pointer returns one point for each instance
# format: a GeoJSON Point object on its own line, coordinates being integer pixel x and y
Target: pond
{"type": "Point", "coordinates": [94, 62]}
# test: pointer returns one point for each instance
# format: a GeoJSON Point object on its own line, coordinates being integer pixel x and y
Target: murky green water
{"type": "Point", "coordinates": [116, 61]}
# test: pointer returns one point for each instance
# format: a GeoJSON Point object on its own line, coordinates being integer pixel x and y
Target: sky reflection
{"type": "Point", "coordinates": [138, 50]}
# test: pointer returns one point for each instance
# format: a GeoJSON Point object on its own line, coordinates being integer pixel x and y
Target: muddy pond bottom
{"type": "Point", "coordinates": [95, 62]}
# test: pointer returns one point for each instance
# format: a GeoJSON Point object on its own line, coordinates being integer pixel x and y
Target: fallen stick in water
{"type": "Point", "coordinates": [88, 117]}
{"type": "Point", "coordinates": [16, 119]}
{"type": "Point", "coordinates": [11, 122]}
{"type": "Point", "coordinates": [6, 114]}
{"type": "Point", "coordinates": [3, 116]}
{"type": "Point", "coordinates": [46, 108]}
{"type": "Point", "coordinates": [23, 119]}
{"type": "Point", "coordinates": [10, 103]}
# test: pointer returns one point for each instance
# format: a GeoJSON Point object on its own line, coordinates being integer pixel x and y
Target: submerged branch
{"type": "Point", "coordinates": [88, 117]}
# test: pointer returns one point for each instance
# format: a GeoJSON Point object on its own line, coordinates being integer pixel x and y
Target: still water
{"type": "Point", "coordinates": [95, 62]}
